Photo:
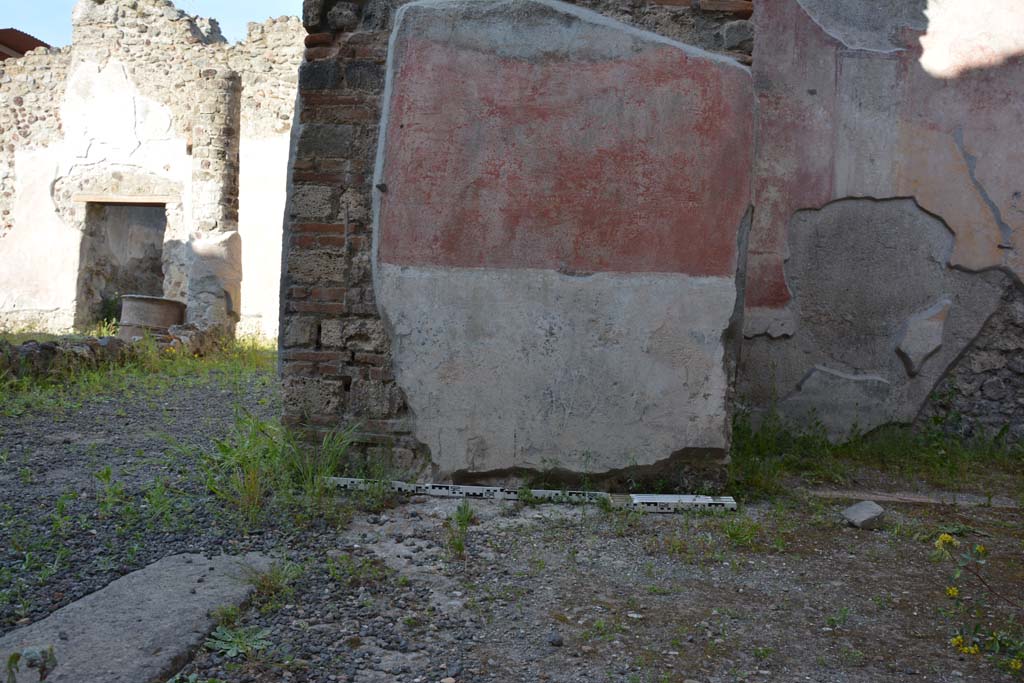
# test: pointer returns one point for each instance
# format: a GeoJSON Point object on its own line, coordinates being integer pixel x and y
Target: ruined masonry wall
{"type": "Point", "coordinates": [983, 394]}
{"type": "Point", "coordinates": [336, 355]}
{"type": "Point", "coordinates": [223, 103]}
{"type": "Point", "coordinates": [268, 62]}
{"type": "Point", "coordinates": [31, 89]}
{"type": "Point", "coordinates": [888, 227]}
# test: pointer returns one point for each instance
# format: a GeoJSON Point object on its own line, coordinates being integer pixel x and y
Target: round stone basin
{"type": "Point", "coordinates": [141, 314]}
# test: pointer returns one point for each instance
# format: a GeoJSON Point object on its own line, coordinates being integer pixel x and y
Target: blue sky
{"type": "Point", "coordinates": [50, 20]}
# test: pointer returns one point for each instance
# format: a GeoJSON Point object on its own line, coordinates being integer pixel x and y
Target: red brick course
{"type": "Point", "coordinates": [327, 278]}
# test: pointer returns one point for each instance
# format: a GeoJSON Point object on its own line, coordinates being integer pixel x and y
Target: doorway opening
{"type": "Point", "coordinates": [121, 253]}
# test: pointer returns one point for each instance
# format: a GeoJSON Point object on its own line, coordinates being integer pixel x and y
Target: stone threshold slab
{"type": "Point", "coordinates": [939, 498]}
{"type": "Point", "coordinates": [141, 628]}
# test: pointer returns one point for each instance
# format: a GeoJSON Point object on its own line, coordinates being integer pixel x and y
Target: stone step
{"type": "Point", "coordinates": [141, 628]}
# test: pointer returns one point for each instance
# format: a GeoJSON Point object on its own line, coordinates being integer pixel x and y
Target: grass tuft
{"type": "Point", "coordinates": [274, 585]}
{"type": "Point", "coordinates": [149, 372]}
{"type": "Point", "coordinates": [261, 462]}
{"type": "Point", "coordinates": [766, 460]}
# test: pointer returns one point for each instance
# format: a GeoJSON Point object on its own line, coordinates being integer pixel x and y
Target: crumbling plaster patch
{"type": "Point", "coordinates": [836, 120]}
{"type": "Point", "coordinates": [860, 25]}
{"type": "Point", "coordinates": [922, 336]}
{"type": "Point", "coordinates": [861, 272]}
{"type": "Point", "coordinates": [851, 110]}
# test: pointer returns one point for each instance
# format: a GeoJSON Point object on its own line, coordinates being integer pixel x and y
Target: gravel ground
{"type": "Point", "coordinates": [777, 592]}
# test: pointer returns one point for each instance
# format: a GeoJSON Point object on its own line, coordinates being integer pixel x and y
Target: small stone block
{"type": "Point", "coordinates": [866, 514]}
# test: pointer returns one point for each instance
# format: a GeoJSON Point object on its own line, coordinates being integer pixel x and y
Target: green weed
{"type": "Point", "coordinates": [60, 520]}
{"type": "Point", "coordinates": [838, 618]}
{"type": "Point", "coordinates": [274, 585]}
{"type": "Point", "coordinates": [354, 572]}
{"type": "Point", "coordinates": [233, 642]}
{"type": "Point", "coordinates": [741, 531]}
{"type": "Point", "coordinates": [43, 661]}
{"type": "Point", "coordinates": [111, 494]}
{"type": "Point", "coordinates": [227, 615]}
{"type": "Point", "coordinates": [159, 503]}
{"type": "Point", "coordinates": [262, 462]}
{"type": "Point", "coordinates": [149, 370]}
{"type": "Point", "coordinates": [193, 678]}
{"type": "Point", "coordinates": [457, 528]}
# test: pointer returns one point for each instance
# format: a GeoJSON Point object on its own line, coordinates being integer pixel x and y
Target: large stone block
{"type": "Point", "coordinates": [561, 198]}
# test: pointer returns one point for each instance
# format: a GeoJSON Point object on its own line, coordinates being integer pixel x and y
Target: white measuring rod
{"type": "Point", "coordinates": [646, 502]}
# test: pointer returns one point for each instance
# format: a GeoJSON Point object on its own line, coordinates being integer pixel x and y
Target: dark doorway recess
{"type": "Point", "coordinates": [121, 253]}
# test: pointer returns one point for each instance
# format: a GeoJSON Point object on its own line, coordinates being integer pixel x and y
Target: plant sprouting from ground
{"type": "Point", "coordinates": [457, 528]}
{"type": "Point", "coordinates": [111, 493]}
{"type": "Point", "coordinates": [838, 618]}
{"type": "Point", "coordinates": [464, 515]}
{"type": "Point", "coordinates": [43, 661]}
{"type": "Point", "coordinates": [227, 615]}
{"type": "Point", "coordinates": [245, 466]}
{"type": "Point", "coordinates": [60, 519]}
{"type": "Point", "coordinates": [262, 462]}
{"type": "Point", "coordinates": [357, 571]}
{"type": "Point", "coordinates": [309, 468]}
{"type": "Point", "coordinates": [273, 585]}
{"type": "Point", "coordinates": [741, 531]}
{"type": "Point", "coordinates": [232, 642]}
{"type": "Point", "coordinates": [193, 678]}
{"type": "Point", "coordinates": [974, 637]}
{"type": "Point", "coordinates": [768, 455]}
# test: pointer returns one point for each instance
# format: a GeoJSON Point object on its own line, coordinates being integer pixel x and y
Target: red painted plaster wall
{"type": "Point", "coordinates": [637, 164]}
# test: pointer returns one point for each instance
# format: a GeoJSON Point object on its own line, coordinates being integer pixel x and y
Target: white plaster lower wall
{"type": "Point", "coordinates": [39, 257]}
{"type": "Point", "coordinates": [511, 368]}
{"type": "Point", "coordinates": [262, 194]}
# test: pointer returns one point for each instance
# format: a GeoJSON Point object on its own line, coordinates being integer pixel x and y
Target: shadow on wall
{"type": "Point", "coordinates": [877, 264]}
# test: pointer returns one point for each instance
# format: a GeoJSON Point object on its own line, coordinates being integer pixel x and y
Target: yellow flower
{"type": "Point", "coordinates": [945, 539]}
{"type": "Point", "coordinates": [953, 592]}
{"type": "Point", "coordinates": [980, 549]}
{"type": "Point", "coordinates": [1016, 665]}
{"type": "Point", "coordinates": [970, 650]}
{"type": "Point", "coordinates": [956, 641]}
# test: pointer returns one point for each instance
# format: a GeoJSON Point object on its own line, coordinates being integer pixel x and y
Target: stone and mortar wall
{"type": "Point", "coordinates": [149, 101]}
{"type": "Point", "coordinates": [336, 355]}
{"type": "Point", "coordinates": [268, 62]}
{"type": "Point", "coordinates": [31, 89]}
{"type": "Point", "coordinates": [983, 393]}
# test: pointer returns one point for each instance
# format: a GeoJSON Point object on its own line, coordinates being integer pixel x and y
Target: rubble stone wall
{"type": "Point", "coordinates": [148, 105]}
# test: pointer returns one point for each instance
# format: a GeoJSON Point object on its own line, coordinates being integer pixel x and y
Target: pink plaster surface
{"type": "Point", "coordinates": [641, 163]}
{"type": "Point", "coordinates": [836, 122]}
